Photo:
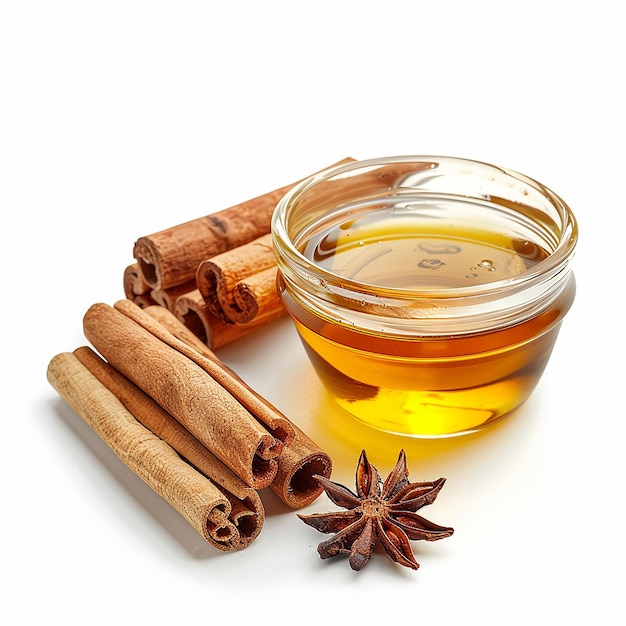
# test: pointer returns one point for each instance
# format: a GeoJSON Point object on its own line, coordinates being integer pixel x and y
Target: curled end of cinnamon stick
{"type": "Point", "coordinates": [257, 297]}
{"type": "Point", "coordinates": [220, 531]}
{"type": "Point", "coordinates": [134, 284]}
{"type": "Point", "coordinates": [295, 483]}
{"type": "Point", "coordinates": [192, 311]}
{"type": "Point", "coordinates": [207, 280]}
{"type": "Point", "coordinates": [135, 287]}
{"type": "Point", "coordinates": [265, 462]}
{"type": "Point", "coordinates": [246, 304]}
{"type": "Point", "coordinates": [148, 261]}
{"type": "Point", "coordinates": [248, 515]}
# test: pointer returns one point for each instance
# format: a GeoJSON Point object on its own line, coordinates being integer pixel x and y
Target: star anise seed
{"type": "Point", "coordinates": [383, 511]}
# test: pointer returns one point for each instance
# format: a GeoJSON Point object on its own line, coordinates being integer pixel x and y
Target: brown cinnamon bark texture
{"type": "Point", "coordinates": [300, 459]}
{"type": "Point", "coordinates": [298, 464]}
{"type": "Point", "coordinates": [192, 310]}
{"type": "Point", "coordinates": [171, 257]}
{"type": "Point", "coordinates": [186, 392]}
{"type": "Point", "coordinates": [256, 297]}
{"type": "Point", "coordinates": [135, 287]}
{"type": "Point", "coordinates": [276, 423]}
{"type": "Point", "coordinates": [196, 498]}
{"type": "Point", "coordinates": [245, 510]}
{"type": "Point", "coordinates": [240, 284]}
{"type": "Point", "coordinates": [179, 329]}
{"type": "Point", "coordinates": [168, 297]}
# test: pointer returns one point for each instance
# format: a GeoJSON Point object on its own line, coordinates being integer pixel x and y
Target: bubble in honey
{"type": "Point", "coordinates": [431, 264]}
{"type": "Point", "coordinates": [529, 250]}
{"type": "Point", "coordinates": [433, 248]}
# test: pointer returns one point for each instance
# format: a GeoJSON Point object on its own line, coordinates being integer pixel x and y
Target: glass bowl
{"type": "Point", "coordinates": [428, 291]}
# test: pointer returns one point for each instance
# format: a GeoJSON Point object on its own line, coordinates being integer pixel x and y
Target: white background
{"type": "Point", "coordinates": [118, 119]}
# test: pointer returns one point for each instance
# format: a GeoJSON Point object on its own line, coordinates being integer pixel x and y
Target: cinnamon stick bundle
{"type": "Point", "coordinates": [240, 284]}
{"type": "Point", "coordinates": [171, 257]}
{"type": "Point", "coordinates": [245, 510]}
{"type": "Point", "coordinates": [301, 458]}
{"type": "Point", "coordinates": [198, 500]}
{"type": "Point", "coordinates": [186, 392]}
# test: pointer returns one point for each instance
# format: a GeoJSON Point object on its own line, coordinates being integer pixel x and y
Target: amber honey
{"type": "Point", "coordinates": [426, 314]}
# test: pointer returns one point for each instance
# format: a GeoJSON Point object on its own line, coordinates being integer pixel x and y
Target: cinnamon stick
{"type": "Point", "coordinates": [240, 284]}
{"type": "Point", "coordinates": [198, 500]}
{"type": "Point", "coordinates": [246, 511]}
{"type": "Point", "coordinates": [135, 287]}
{"type": "Point", "coordinates": [298, 464]}
{"type": "Point", "coordinates": [256, 297]}
{"type": "Point", "coordinates": [192, 311]}
{"type": "Point", "coordinates": [187, 392]}
{"type": "Point", "coordinates": [175, 326]}
{"type": "Point", "coordinates": [171, 257]}
{"type": "Point", "coordinates": [300, 459]}
{"type": "Point", "coordinates": [168, 297]}
{"type": "Point", "coordinates": [276, 423]}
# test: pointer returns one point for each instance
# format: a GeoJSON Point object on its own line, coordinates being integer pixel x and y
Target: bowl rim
{"type": "Point", "coordinates": [555, 263]}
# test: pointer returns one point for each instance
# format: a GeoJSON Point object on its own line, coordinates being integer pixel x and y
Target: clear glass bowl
{"type": "Point", "coordinates": [428, 291]}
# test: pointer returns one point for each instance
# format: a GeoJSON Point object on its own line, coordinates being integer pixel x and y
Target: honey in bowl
{"type": "Point", "coordinates": [428, 292]}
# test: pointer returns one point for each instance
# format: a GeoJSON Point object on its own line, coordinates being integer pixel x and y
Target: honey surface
{"type": "Point", "coordinates": [409, 252]}
{"type": "Point", "coordinates": [426, 386]}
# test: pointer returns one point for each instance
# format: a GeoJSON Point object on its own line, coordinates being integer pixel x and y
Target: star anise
{"type": "Point", "coordinates": [379, 510]}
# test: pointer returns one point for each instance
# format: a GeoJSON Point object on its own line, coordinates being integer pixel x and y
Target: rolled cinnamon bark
{"type": "Point", "coordinates": [135, 287]}
{"type": "Point", "coordinates": [221, 281]}
{"type": "Point", "coordinates": [198, 500]}
{"type": "Point", "coordinates": [171, 257]}
{"type": "Point", "coordinates": [245, 509]}
{"type": "Point", "coordinates": [186, 392]}
{"type": "Point", "coordinates": [298, 464]}
{"type": "Point", "coordinates": [168, 297]}
{"type": "Point", "coordinates": [276, 423]}
{"type": "Point", "coordinates": [256, 297]}
{"type": "Point", "coordinates": [192, 311]}
{"type": "Point", "coordinates": [179, 329]}
{"type": "Point", "coordinates": [301, 458]}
